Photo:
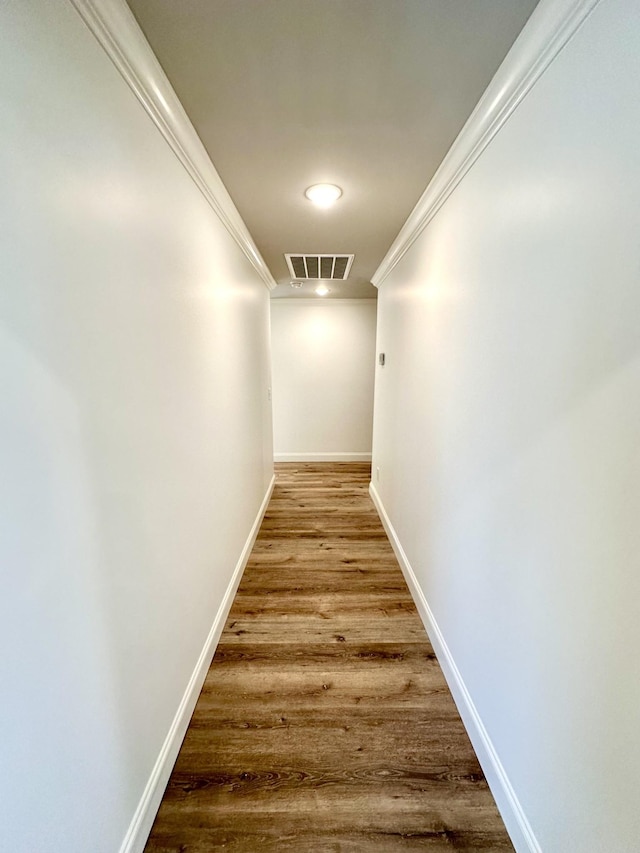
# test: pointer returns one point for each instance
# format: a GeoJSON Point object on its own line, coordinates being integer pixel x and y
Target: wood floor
{"type": "Point", "coordinates": [325, 724]}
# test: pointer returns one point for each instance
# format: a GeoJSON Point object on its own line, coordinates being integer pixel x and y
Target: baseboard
{"type": "Point", "coordinates": [144, 816]}
{"type": "Point", "coordinates": [508, 804]}
{"type": "Point", "coordinates": [322, 457]}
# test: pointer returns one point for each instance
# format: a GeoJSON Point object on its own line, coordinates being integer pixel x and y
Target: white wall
{"type": "Point", "coordinates": [135, 444]}
{"type": "Point", "coordinates": [323, 354]}
{"type": "Point", "coordinates": [507, 432]}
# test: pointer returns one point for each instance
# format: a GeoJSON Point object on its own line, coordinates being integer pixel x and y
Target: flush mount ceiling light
{"type": "Point", "coordinates": [323, 195]}
{"type": "Point", "coordinates": [295, 284]}
{"type": "Point", "coordinates": [322, 290]}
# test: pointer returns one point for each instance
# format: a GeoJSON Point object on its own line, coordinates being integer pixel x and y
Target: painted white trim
{"type": "Point", "coordinates": [140, 827]}
{"type": "Point", "coordinates": [322, 457]}
{"type": "Point", "coordinates": [310, 301]}
{"type": "Point", "coordinates": [506, 799]}
{"type": "Point", "coordinates": [551, 26]}
{"type": "Point", "coordinates": [116, 29]}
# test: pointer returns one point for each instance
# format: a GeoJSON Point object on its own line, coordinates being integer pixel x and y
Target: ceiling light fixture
{"type": "Point", "coordinates": [295, 284]}
{"type": "Point", "coordinates": [322, 290]}
{"type": "Point", "coordinates": [323, 195]}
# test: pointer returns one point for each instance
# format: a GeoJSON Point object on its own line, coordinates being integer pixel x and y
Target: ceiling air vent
{"type": "Point", "coordinates": [319, 266]}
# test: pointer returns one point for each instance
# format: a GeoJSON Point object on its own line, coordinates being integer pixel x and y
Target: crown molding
{"type": "Point", "coordinates": [116, 29]}
{"type": "Point", "coordinates": [311, 301]}
{"type": "Point", "coordinates": [551, 26]}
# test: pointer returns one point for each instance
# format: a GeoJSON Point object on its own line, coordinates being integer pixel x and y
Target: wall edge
{"type": "Point", "coordinates": [116, 29]}
{"type": "Point", "coordinates": [552, 24]}
{"type": "Point", "coordinates": [512, 813]}
{"type": "Point", "coordinates": [145, 813]}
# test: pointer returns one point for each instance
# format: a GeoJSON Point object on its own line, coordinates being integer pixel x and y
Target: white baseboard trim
{"type": "Point", "coordinates": [322, 457]}
{"type": "Point", "coordinates": [508, 804]}
{"type": "Point", "coordinates": [142, 821]}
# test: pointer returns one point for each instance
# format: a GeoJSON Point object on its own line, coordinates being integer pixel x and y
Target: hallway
{"type": "Point", "coordinates": [180, 309]}
{"type": "Point", "coordinates": [325, 723]}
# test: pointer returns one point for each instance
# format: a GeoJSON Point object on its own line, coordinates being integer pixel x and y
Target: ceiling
{"type": "Point", "coordinates": [366, 94]}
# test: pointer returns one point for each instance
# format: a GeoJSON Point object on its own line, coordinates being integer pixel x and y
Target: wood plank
{"type": "Point", "coordinates": [325, 723]}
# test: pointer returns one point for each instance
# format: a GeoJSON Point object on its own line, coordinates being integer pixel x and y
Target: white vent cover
{"type": "Point", "coordinates": [319, 266]}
